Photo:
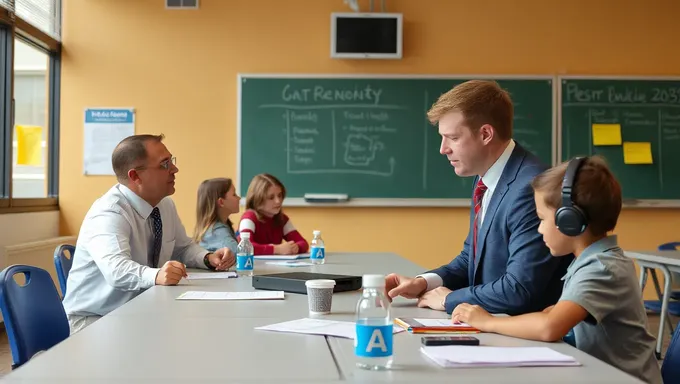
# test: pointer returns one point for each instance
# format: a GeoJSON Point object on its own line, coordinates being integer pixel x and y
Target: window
{"type": "Point", "coordinates": [30, 31]}
{"type": "Point", "coordinates": [29, 144]}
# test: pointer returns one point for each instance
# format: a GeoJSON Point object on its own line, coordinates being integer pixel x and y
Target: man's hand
{"type": "Point", "coordinates": [434, 299]}
{"type": "Point", "coordinates": [222, 259]}
{"type": "Point", "coordinates": [171, 273]}
{"type": "Point", "coordinates": [473, 315]}
{"type": "Point", "coordinates": [397, 285]}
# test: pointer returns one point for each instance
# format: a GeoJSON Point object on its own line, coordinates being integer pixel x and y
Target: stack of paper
{"type": "Point", "coordinates": [258, 295]}
{"type": "Point", "coordinates": [421, 325]}
{"type": "Point", "coordinates": [309, 326]}
{"type": "Point", "coordinates": [460, 356]}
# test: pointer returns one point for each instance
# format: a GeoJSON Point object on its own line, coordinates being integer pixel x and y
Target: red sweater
{"type": "Point", "coordinates": [264, 234]}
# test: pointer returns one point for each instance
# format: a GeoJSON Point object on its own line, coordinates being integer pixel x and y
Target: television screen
{"type": "Point", "coordinates": [367, 35]}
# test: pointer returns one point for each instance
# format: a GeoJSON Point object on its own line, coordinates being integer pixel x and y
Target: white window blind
{"type": "Point", "coordinates": [42, 14]}
{"type": "Point", "coordinates": [7, 4]}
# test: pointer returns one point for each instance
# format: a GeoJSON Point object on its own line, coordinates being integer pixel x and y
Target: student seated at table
{"type": "Point", "coordinates": [265, 221]}
{"type": "Point", "coordinates": [216, 200]}
{"type": "Point", "coordinates": [601, 299]}
{"type": "Point", "coordinates": [132, 237]}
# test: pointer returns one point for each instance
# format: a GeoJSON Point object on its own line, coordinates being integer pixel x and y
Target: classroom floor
{"type": "Point", "coordinates": [6, 355]}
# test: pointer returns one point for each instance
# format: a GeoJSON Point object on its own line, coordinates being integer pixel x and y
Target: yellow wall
{"type": "Point", "coordinates": [178, 69]}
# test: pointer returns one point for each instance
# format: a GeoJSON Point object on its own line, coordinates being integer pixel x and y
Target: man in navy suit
{"type": "Point", "coordinates": [504, 266]}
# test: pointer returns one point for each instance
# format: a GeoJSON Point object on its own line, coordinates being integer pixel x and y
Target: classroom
{"type": "Point", "coordinates": [240, 87]}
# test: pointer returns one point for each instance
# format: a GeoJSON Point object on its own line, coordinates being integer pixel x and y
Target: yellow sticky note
{"type": "Point", "coordinates": [637, 153]}
{"type": "Point", "coordinates": [29, 148]}
{"type": "Point", "coordinates": [606, 134]}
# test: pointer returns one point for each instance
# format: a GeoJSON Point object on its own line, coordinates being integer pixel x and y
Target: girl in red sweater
{"type": "Point", "coordinates": [267, 224]}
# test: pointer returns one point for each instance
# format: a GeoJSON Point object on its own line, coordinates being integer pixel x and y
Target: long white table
{"type": "Point", "coordinates": [668, 262]}
{"type": "Point", "coordinates": [157, 339]}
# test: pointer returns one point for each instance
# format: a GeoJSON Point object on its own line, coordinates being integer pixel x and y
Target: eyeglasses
{"type": "Point", "coordinates": [166, 163]}
{"type": "Point", "coordinates": [163, 165]}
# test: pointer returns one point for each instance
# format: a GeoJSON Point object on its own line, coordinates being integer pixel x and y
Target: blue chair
{"type": "Point", "coordinates": [34, 317]}
{"type": "Point", "coordinates": [63, 264]}
{"type": "Point", "coordinates": [655, 305]}
{"type": "Point", "coordinates": [670, 369]}
{"type": "Point", "coordinates": [570, 338]}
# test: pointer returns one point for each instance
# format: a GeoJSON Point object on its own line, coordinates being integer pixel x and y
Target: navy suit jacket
{"type": "Point", "coordinates": [513, 271]}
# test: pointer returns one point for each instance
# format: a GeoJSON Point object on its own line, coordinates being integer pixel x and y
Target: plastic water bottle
{"type": "Point", "coordinates": [317, 253]}
{"type": "Point", "coordinates": [374, 328]}
{"type": "Point", "coordinates": [245, 261]}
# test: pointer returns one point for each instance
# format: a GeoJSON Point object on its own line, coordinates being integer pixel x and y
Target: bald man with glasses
{"type": "Point", "coordinates": [132, 237]}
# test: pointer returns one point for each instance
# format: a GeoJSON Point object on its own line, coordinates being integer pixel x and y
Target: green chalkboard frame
{"type": "Point", "coordinates": [627, 202]}
{"type": "Point", "coordinates": [388, 202]}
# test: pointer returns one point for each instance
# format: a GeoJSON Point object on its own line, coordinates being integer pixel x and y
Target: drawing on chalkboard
{"type": "Point", "coordinates": [360, 149]}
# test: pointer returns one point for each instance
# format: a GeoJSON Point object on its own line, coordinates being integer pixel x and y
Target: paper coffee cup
{"type": "Point", "coordinates": [320, 296]}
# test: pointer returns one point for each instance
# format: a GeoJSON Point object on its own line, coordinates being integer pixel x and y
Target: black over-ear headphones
{"type": "Point", "coordinates": [570, 218]}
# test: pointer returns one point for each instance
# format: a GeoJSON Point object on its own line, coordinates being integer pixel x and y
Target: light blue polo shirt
{"type": "Point", "coordinates": [603, 281]}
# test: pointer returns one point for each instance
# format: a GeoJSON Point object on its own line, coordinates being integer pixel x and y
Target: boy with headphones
{"type": "Point", "coordinates": [578, 203]}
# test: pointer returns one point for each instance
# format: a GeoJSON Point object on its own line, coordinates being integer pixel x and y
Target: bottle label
{"type": "Point", "coordinates": [317, 253]}
{"type": "Point", "coordinates": [244, 262]}
{"type": "Point", "coordinates": [373, 340]}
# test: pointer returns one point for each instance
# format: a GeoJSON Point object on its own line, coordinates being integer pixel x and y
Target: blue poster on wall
{"type": "Point", "coordinates": [104, 129]}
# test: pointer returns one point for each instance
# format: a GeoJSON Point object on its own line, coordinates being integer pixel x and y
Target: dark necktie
{"type": "Point", "coordinates": [157, 237]}
{"type": "Point", "coordinates": [477, 198]}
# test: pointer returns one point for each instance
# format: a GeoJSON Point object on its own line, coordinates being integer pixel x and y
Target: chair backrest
{"type": "Point", "coordinates": [669, 246]}
{"type": "Point", "coordinates": [34, 316]}
{"type": "Point", "coordinates": [670, 369]}
{"type": "Point", "coordinates": [63, 264]}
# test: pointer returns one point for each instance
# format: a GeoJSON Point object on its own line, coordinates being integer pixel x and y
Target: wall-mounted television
{"type": "Point", "coordinates": [366, 35]}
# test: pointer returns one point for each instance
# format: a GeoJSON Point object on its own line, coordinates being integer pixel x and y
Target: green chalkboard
{"type": "Point", "coordinates": [647, 110]}
{"type": "Point", "coordinates": [368, 137]}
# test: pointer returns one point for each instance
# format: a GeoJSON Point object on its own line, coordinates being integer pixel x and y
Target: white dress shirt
{"type": "Point", "coordinates": [490, 179]}
{"type": "Point", "coordinates": [110, 264]}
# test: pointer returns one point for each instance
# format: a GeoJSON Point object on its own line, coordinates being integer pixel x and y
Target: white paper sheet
{"type": "Point", "coordinates": [291, 263]}
{"type": "Point", "coordinates": [282, 257]}
{"type": "Point", "coordinates": [258, 295]}
{"type": "Point", "coordinates": [309, 326]}
{"type": "Point", "coordinates": [459, 356]}
{"type": "Point", "coordinates": [210, 275]}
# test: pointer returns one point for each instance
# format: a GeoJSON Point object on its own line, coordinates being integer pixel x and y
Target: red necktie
{"type": "Point", "coordinates": [477, 199]}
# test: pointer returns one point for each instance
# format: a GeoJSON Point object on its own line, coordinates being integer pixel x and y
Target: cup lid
{"type": "Point", "coordinates": [373, 281]}
{"type": "Point", "coordinates": [320, 283]}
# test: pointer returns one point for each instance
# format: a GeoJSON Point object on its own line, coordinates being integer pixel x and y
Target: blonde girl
{"type": "Point", "coordinates": [217, 199]}
{"type": "Point", "coordinates": [271, 231]}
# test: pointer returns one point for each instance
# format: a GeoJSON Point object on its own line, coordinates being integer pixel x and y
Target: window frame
{"type": "Point", "coordinates": [6, 74]}
{"type": "Point", "coordinates": [13, 27]}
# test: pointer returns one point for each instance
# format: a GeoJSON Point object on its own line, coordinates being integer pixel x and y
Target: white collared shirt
{"type": "Point", "coordinates": [110, 265]}
{"type": "Point", "coordinates": [490, 179]}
